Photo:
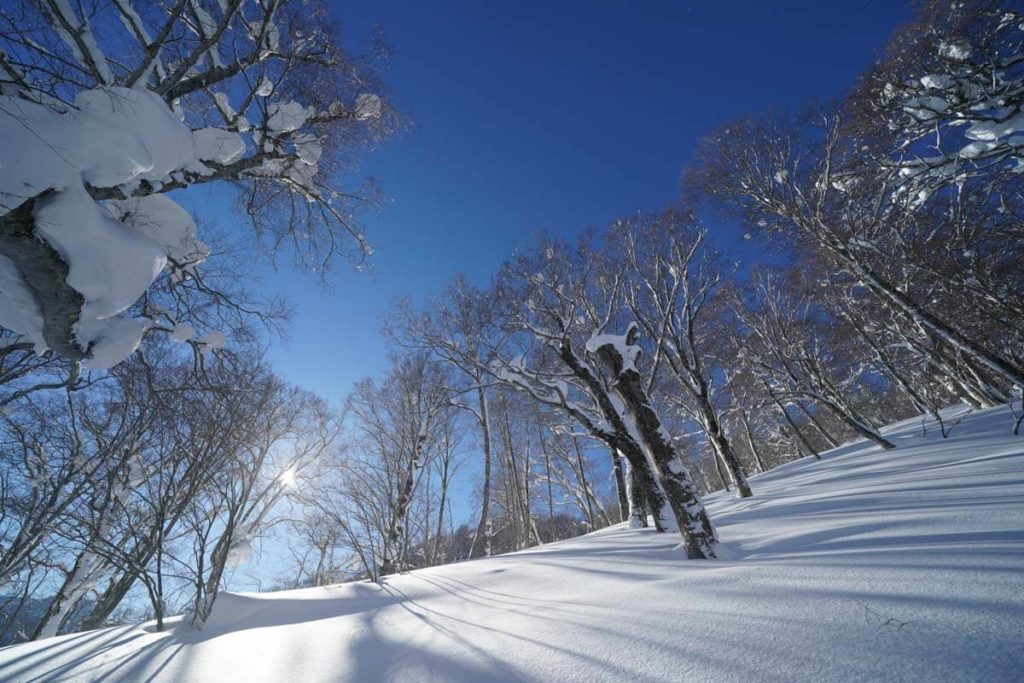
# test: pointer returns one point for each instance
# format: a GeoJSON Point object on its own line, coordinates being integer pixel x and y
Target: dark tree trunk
{"type": "Point", "coordinates": [620, 485]}
{"type": "Point", "coordinates": [818, 426]}
{"type": "Point", "coordinates": [720, 442]}
{"type": "Point", "coordinates": [792, 425]}
{"type": "Point", "coordinates": [694, 524]}
{"type": "Point", "coordinates": [722, 479]}
{"type": "Point", "coordinates": [761, 466]}
{"type": "Point", "coordinates": [45, 274]}
{"type": "Point", "coordinates": [485, 495]}
{"type": "Point", "coordinates": [583, 482]}
{"type": "Point", "coordinates": [637, 514]}
{"type": "Point", "coordinates": [396, 530]}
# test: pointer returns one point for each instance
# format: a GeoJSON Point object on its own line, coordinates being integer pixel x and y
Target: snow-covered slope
{"type": "Point", "coordinates": [905, 565]}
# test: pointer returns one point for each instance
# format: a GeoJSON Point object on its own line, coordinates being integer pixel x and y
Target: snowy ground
{"type": "Point", "coordinates": [905, 565]}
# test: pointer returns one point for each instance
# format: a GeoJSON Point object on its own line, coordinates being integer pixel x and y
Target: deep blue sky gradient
{"type": "Point", "coordinates": [554, 116]}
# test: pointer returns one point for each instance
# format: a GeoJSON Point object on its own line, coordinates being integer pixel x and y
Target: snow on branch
{"type": "Point", "coordinates": [86, 226]}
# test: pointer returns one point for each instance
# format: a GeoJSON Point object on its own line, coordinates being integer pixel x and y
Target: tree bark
{"type": "Point", "coordinates": [620, 485]}
{"type": "Point", "coordinates": [694, 524]}
{"type": "Point", "coordinates": [485, 494]}
{"type": "Point", "coordinates": [637, 515]}
{"type": "Point", "coordinates": [45, 274]}
{"type": "Point", "coordinates": [761, 466]}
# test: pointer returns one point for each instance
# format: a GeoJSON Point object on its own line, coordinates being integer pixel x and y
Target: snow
{"type": "Point", "coordinates": [219, 145]}
{"type": "Point", "coordinates": [18, 309]}
{"type": "Point", "coordinates": [110, 264]}
{"type": "Point", "coordinates": [239, 553]}
{"type": "Point", "coordinates": [183, 332]}
{"type": "Point", "coordinates": [166, 223]}
{"type": "Point", "coordinates": [265, 88]}
{"type": "Point", "coordinates": [149, 139]}
{"type": "Point", "coordinates": [936, 81]}
{"type": "Point", "coordinates": [955, 51]}
{"type": "Point", "coordinates": [114, 136]}
{"type": "Point", "coordinates": [287, 116]}
{"type": "Point", "coordinates": [868, 565]}
{"type": "Point", "coordinates": [111, 340]}
{"type": "Point", "coordinates": [117, 136]}
{"type": "Point", "coordinates": [212, 340]}
{"type": "Point", "coordinates": [368, 106]}
{"type": "Point", "coordinates": [994, 130]}
{"type": "Point", "coordinates": [308, 149]}
{"type": "Point", "coordinates": [628, 352]}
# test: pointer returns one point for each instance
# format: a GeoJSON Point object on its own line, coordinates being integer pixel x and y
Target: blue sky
{"type": "Point", "coordinates": [552, 116]}
{"type": "Point", "coordinates": [555, 116]}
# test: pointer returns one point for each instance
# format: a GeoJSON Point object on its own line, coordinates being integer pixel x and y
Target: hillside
{"type": "Point", "coordinates": [905, 565]}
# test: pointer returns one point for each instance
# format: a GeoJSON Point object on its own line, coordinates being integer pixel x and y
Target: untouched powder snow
{"type": "Point", "coordinates": [905, 565]}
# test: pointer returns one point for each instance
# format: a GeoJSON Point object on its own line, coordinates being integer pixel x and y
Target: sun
{"type": "Point", "coordinates": [287, 477]}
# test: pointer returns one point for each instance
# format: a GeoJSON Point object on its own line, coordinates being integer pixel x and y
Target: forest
{"type": "Point", "coordinates": [150, 453]}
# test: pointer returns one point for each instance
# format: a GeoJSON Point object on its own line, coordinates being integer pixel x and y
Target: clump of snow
{"type": "Point", "coordinates": [111, 340]}
{"type": "Point", "coordinates": [936, 81]}
{"type": "Point", "coordinates": [265, 88]}
{"type": "Point", "coordinates": [287, 116]}
{"type": "Point", "coordinates": [368, 106]}
{"type": "Point", "coordinates": [129, 134]}
{"type": "Point", "coordinates": [239, 552]}
{"type": "Point", "coordinates": [211, 341]}
{"type": "Point", "coordinates": [629, 352]}
{"type": "Point", "coordinates": [183, 332]}
{"type": "Point", "coordinates": [957, 51]}
{"type": "Point", "coordinates": [18, 309]}
{"type": "Point", "coordinates": [994, 130]}
{"type": "Point", "coordinates": [219, 145]}
{"type": "Point", "coordinates": [110, 264]}
{"type": "Point", "coordinates": [162, 220]}
{"type": "Point", "coordinates": [112, 137]}
{"type": "Point", "coordinates": [308, 149]}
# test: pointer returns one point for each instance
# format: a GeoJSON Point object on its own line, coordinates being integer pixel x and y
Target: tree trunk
{"type": "Point", "coordinates": [75, 587]}
{"type": "Point", "coordinates": [637, 503]}
{"type": "Point", "coordinates": [720, 443]}
{"type": "Point", "coordinates": [620, 485]}
{"type": "Point", "coordinates": [482, 529]}
{"type": "Point", "coordinates": [761, 466]}
{"type": "Point", "coordinates": [396, 530]}
{"type": "Point", "coordinates": [583, 481]}
{"type": "Point", "coordinates": [109, 600]}
{"type": "Point", "coordinates": [694, 523]}
{"type": "Point", "coordinates": [817, 425]}
{"type": "Point", "coordinates": [789, 420]}
{"type": "Point", "coordinates": [44, 273]}
{"type": "Point", "coordinates": [722, 479]}
{"type": "Point", "coordinates": [1010, 372]}
{"type": "Point", "coordinates": [551, 492]}
{"type": "Point", "coordinates": [858, 424]}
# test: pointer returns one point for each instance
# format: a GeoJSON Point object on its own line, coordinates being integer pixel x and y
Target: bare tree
{"type": "Point", "coordinates": [811, 184]}
{"type": "Point", "coordinates": [283, 431]}
{"type": "Point", "coordinates": [460, 330]}
{"type": "Point", "coordinates": [670, 290]}
{"type": "Point", "coordinates": [556, 300]}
